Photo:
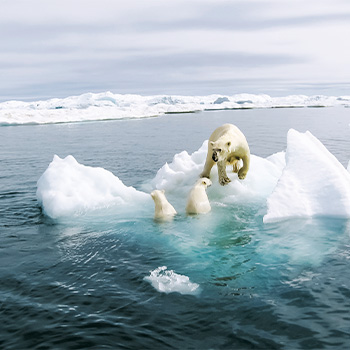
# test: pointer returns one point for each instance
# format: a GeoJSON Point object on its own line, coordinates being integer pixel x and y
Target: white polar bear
{"type": "Point", "coordinates": [227, 145]}
{"type": "Point", "coordinates": [163, 209]}
{"type": "Point", "coordinates": [198, 202]}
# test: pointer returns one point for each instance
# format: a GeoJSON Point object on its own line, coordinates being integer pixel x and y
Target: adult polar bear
{"type": "Point", "coordinates": [227, 145]}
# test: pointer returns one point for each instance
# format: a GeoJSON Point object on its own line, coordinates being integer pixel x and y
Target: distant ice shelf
{"type": "Point", "coordinates": [109, 106]}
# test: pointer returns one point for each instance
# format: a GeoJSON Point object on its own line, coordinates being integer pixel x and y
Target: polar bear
{"type": "Point", "coordinates": [227, 145]}
{"type": "Point", "coordinates": [163, 209]}
{"type": "Point", "coordinates": [198, 202]}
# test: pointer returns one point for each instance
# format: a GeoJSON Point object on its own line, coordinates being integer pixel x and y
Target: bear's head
{"type": "Point", "coordinates": [220, 150]}
{"type": "Point", "coordinates": [204, 182]}
{"type": "Point", "coordinates": [158, 195]}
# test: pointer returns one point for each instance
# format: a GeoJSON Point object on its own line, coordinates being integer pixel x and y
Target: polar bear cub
{"type": "Point", "coordinates": [227, 145]}
{"type": "Point", "coordinates": [198, 202]}
{"type": "Point", "coordinates": [163, 209]}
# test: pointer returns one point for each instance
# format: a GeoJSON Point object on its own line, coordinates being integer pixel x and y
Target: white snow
{"type": "Point", "coordinates": [167, 281]}
{"type": "Point", "coordinates": [106, 105]}
{"type": "Point", "coordinates": [313, 183]}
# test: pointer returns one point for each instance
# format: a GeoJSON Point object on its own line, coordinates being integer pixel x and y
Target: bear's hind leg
{"type": "Point", "coordinates": [242, 173]}
{"type": "Point", "coordinates": [223, 178]}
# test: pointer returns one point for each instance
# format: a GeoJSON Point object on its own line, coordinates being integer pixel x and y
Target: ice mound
{"type": "Point", "coordinates": [106, 105]}
{"type": "Point", "coordinates": [167, 281]}
{"type": "Point", "coordinates": [68, 188]}
{"type": "Point", "coordinates": [179, 176]}
{"type": "Point", "coordinates": [313, 183]}
{"type": "Point", "coordinates": [182, 172]}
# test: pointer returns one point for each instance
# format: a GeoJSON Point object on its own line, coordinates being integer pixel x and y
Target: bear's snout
{"type": "Point", "coordinates": [215, 157]}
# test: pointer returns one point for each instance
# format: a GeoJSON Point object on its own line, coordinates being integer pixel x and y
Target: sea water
{"type": "Point", "coordinates": [106, 278]}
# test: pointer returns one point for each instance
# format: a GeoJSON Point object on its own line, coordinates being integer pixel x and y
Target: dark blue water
{"type": "Point", "coordinates": [80, 284]}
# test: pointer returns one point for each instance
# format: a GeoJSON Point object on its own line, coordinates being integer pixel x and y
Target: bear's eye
{"type": "Point", "coordinates": [219, 149]}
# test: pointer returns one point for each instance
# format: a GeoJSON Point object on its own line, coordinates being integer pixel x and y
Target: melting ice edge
{"type": "Point", "coordinates": [305, 181]}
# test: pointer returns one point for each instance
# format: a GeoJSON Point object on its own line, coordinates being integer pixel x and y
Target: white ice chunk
{"type": "Point", "coordinates": [167, 281]}
{"type": "Point", "coordinates": [182, 172]}
{"type": "Point", "coordinates": [68, 188]}
{"type": "Point", "coordinates": [313, 183]}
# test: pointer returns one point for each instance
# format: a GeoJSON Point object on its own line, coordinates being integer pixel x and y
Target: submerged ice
{"type": "Point", "coordinates": [306, 180]}
{"type": "Point", "coordinates": [106, 105]}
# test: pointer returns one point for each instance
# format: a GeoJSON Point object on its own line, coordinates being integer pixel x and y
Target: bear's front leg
{"type": "Point", "coordinates": [209, 163]}
{"type": "Point", "coordinates": [223, 178]}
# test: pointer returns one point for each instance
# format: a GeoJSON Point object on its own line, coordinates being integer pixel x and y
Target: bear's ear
{"type": "Point", "coordinates": [228, 144]}
{"type": "Point", "coordinates": [212, 143]}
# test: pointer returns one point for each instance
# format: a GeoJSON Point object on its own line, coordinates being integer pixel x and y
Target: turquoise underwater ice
{"type": "Point", "coordinates": [91, 275]}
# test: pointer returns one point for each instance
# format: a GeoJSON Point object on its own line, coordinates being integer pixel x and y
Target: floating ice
{"type": "Point", "coordinates": [306, 181]}
{"type": "Point", "coordinates": [68, 188]}
{"type": "Point", "coordinates": [106, 105]}
{"type": "Point", "coordinates": [167, 281]}
{"type": "Point", "coordinates": [313, 183]}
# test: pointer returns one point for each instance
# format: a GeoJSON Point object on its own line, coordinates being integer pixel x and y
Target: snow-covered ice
{"type": "Point", "coordinates": [180, 175]}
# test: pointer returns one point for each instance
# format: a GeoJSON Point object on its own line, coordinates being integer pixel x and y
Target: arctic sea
{"type": "Point", "coordinates": [111, 278]}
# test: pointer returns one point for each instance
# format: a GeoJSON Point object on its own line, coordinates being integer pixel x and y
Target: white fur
{"type": "Point", "coordinates": [163, 209]}
{"type": "Point", "coordinates": [198, 202]}
{"type": "Point", "coordinates": [229, 145]}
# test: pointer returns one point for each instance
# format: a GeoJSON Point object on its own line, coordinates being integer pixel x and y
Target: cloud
{"type": "Point", "coordinates": [61, 47]}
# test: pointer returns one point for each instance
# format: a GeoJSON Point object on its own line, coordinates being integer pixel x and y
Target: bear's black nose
{"type": "Point", "coordinates": [214, 157]}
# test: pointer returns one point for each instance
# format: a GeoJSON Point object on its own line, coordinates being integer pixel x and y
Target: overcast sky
{"type": "Point", "coordinates": [58, 48]}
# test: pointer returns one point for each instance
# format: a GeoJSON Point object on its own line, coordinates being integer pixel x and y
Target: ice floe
{"type": "Point", "coordinates": [305, 181]}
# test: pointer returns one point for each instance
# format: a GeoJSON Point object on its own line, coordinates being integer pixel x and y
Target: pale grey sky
{"type": "Point", "coordinates": [59, 48]}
